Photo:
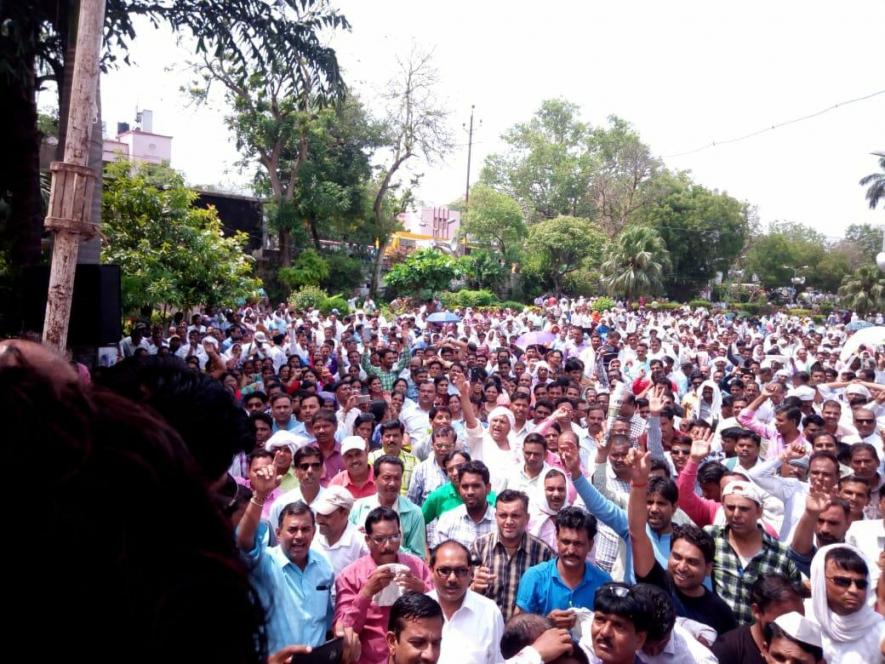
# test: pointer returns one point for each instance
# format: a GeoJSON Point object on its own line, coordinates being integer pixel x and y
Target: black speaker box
{"type": "Point", "coordinates": [96, 310]}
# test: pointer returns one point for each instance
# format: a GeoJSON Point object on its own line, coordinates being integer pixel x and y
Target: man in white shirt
{"type": "Point", "coordinates": [338, 540]}
{"type": "Point", "coordinates": [473, 624]}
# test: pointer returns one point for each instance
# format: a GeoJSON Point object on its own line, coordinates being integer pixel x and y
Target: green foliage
{"type": "Point", "coordinates": [635, 263]}
{"type": "Point", "coordinates": [494, 222]}
{"type": "Point", "coordinates": [583, 282]}
{"type": "Point", "coordinates": [309, 269]}
{"type": "Point", "coordinates": [666, 306]}
{"type": "Point", "coordinates": [425, 269]}
{"type": "Point", "coordinates": [603, 303]}
{"type": "Point", "coordinates": [308, 297]}
{"type": "Point", "coordinates": [481, 269]}
{"type": "Point", "coordinates": [694, 304]}
{"type": "Point", "coordinates": [754, 308]}
{"type": "Point", "coordinates": [170, 253]}
{"type": "Point", "coordinates": [558, 247]}
{"type": "Point", "coordinates": [866, 239]}
{"type": "Point", "coordinates": [875, 183]}
{"type": "Point", "coordinates": [345, 272]}
{"type": "Point", "coordinates": [864, 290]}
{"type": "Point", "coordinates": [517, 307]}
{"type": "Point", "coordinates": [335, 302]}
{"type": "Point", "coordinates": [704, 232]}
{"type": "Point", "coordinates": [470, 298]}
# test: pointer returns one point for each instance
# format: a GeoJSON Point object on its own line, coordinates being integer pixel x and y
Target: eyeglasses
{"type": "Point", "coordinates": [679, 452]}
{"type": "Point", "coordinates": [308, 466]}
{"type": "Point", "coordinates": [846, 581]}
{"type": "Point", "coordinates": [864, 421]}
{"type": "Point", "coordinates": [446, 572]}
{"type": "Point", "coordinates": [381, 540]}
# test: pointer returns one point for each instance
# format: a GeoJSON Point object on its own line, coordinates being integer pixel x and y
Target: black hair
{"type": "Point", "coordinates": [660, 464]}
{"type": "Point", "coordinates": [574, 518]}
{"type": "Point", "coordinates": [825, 455]}
{"type": "Point", "coordinates": [444, 430]}
{"type": "Point", "coordinates": [390, 460]}
{"type": "Point", "coordinates": [617, 599]}
{"type": "Point", "coordinates": [297, 508]}
{"type": "Point", "coordinates": [511, 496]}
{"type": "Point", "coordinates": [475, 468]}
{"type": "Point", "coordinates": [790, 412]}
{"type": "Point", "coordinates": [662, 610]}
{"type": "Point", "coordinates": [864, 447]}
{"type": "Point", "coordinates": [306, 452]}
{"type": "Point", "coordinates": [771, 588]}
{"type": "Point", "coordinates": [731, 432]}
{"type": "Point", "coordinates": [379, 514]}
{"type": "Point", "coordinates": [259, 453]}
{"type": "Point", "coordinates": [773, 631]}
{"type": "Point", "coordinates": [203, 412]}
{"type": "Point", "coordinates": [325, 415]}
{"type": "Point", "coordinates": [390, 425]}
{"type": "Point", "coordinates": [363, 418]}
{"type": "Point", "coordinates": [434, 410]}
{"type": "Point", "coordinates": [710, 472]}
{"type": "Point", "coordinates": [252, 395]}
{"type": "Point", "coordinates": [844, 558]}
{"type": "Point", "coordinates": [260, 415]}
{"type": "Point", "coordinates": [451, 455]}
{"type": "Point", "coordinates": [813, 418]}
{"type": "Point", "coordinates": [522, 630]}
{"type": "Point", "coordinates": [536, 439]}
{"type": "Point", "coordinates": [695, 536]}
{"type": "Point", "coordinates": [664, 487]}
{"type": "Point", "coordinates": [448, 542]}
{"type": "Point", "coordinates": [281, 395]}
{"type": "Point", "coordinates": [412, 606]}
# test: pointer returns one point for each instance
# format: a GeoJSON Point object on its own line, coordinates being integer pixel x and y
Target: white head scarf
{"type": "Point", "coordinates": [539, 500]}
{"type": "Point", "coordinates": [715, 408]}
{"type": "Point", "coordinates": [851, 639]}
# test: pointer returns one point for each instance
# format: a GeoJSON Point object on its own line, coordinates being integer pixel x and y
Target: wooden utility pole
{"type": "Point", "coordinates": [73, 181]}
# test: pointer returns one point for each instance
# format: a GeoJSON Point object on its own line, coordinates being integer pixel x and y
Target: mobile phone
{"type": "Point", "coordinates": [328, 653]}
{"type": "Point", "coordinates": [363, 399]}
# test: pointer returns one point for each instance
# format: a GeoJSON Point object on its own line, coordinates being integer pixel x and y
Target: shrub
{"type": "Point", "coordinates": [755, 308]}
{"type": "Point", "coordinates": [335, 302]}
{"type": "Point", "coordinates": [345, 273]}
{"type": "Point", "coordinates": [668, 306]}
{"type": "Point", "coordinates": [469, 298]}
{"type": "Point", "coordinates": [603, 303]}
{"type": "Point", "coordinates": [694, 304]}
{"type": "Point", "coordinates": [512, 304]}
{"type": "Point", "coordinates": [308, 297]}
{"type": "Point", "coordinates": [308, 269]}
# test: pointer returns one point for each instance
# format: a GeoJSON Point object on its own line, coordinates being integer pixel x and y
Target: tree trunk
{"type": "Point", "coordinates": [376, 270]}
{"type": "Point", "coordinates": [285, 248]}
{"type": "Point", "coordinates": [314, 233]}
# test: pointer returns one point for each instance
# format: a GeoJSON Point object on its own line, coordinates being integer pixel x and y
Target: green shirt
{"type": "Point", "coordinates": [446, 498]}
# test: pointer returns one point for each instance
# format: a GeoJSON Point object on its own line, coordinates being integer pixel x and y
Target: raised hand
{"type": "Point", "coordinates": [640, 465]}
{"type": "Point", "coordinates": [265, 481]}
{"type": "Point", "coordinates": [700, 447]}
{"type": "Point", "coordinates": [656, 400]}
{"type": "Point", "coordinates": [571, 460]}
{"type": "Point", "coordinates": [817, 501]}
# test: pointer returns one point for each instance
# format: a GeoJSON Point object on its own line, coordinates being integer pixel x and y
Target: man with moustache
{"type": "Point", "coordinates": [473, 624]}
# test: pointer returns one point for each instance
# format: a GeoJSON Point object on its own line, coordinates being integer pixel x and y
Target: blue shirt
{"type": "Point", "coordinates": [541, 589]}
{"type": "Point", "coordinates": [298, 602]}
{"type": "Point", "coordinates": [294, 426]}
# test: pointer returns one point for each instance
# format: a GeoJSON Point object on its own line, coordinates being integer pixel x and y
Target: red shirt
{"type": "Point", "coordinates": [357, 491]}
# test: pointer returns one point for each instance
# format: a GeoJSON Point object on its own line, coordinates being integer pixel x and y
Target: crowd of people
{"type": "Point", "coordinates": [553, 484]}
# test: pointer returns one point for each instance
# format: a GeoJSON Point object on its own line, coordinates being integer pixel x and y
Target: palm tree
{"type": "Point", "coordinates": [864, 291]}
{"type": "Point", "coordinates": [635, 263]}
{"type": "Point", "coordinates": [876, 182]}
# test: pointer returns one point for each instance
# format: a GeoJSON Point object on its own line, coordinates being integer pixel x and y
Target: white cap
{"type": "Point", "coordinates": [743, 489]}
{"type": "Point", "coordinates": [332, 498]}
{"type": "Point", "coordinates": [285, 439]}
{"type": "Point", "coordinates": [804, 392]}
{"type": "Point", "coordinates": [799, 627]}
{"type": "Point", "coordinates": [260, 337]}
{"type": "Point", "coordinates": [858, 389]}
{"type": "Point", "coordinates": [352, 443]}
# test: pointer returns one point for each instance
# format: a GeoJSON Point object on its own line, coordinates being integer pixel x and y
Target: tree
{"type": "Point", "coordinates": [786, 251]}
{"type": "Point", "coordinates": [623, 177]}
{"type": "Point", "coordinates": [277, 116]}
{"type": "Point", "coordinates": [425, 271]}
{"type": "Point", "coordinates": [415, 126]}
{"type": "Point", "coordinates": [875, 183]}
{"type": "Point", "coordinates": [481, 269]}
{"type": "Point", "coordinates": [864, 290]}
{"type": "Point", "coordinates": [171, 253]}
{"type": "Point", "coordinates": [36, 49]}
{"type": "Point", "coordinates": [635, 263]}
{"type": "Point", "coordinates": [494, 222]}
{"type": "Point", "coordinates": [548, 166]}
{"type": "Point", "coordinates": [703, 230]}
{"type": "Point", "coordinates": [865, 240]}
{"type": "Point", "coordinates": [309, 269]}
{"type": "Point", "coordinates": [557, 247]}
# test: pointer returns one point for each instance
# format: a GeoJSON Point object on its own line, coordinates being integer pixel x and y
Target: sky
{"type": "Point", "coordinates": [684, 73]}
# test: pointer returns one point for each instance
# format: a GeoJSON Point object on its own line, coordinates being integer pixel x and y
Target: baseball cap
{"type": "Point", "coordinates": [743, 489]}
{"type": "Point", "coordinates": [799, 627]}
{"type": "Point", "coordinates": [352, 443]}
{"type": "Point", "coordinates": [332, 498]}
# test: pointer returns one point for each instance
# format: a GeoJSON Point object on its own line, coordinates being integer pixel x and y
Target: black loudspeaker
{"type": "Point", "coordinates": [96, 310]}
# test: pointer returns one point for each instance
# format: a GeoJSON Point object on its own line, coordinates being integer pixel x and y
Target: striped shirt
{"type": "Point", "coordinates": [508, 570]}
{"type": "Point", "coordinates": [457, 524]}
{"type": "Point", "coordinates": [732, 580]}
{"type": "Point", "coordinates": [410, 462]}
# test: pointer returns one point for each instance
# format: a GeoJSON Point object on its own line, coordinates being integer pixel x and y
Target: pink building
{"type": "Point", "coordinates": [139, 144]}
{"type": "Point", "coordinates": [438, 223]}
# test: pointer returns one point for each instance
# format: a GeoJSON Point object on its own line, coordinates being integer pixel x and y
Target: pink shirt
{"type": "Point", "coordinates": [366, 618]}
{"type": "Point", "coordinates": [367, 489]}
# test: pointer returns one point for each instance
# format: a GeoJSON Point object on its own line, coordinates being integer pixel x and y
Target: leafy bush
{"type": "Point", "coordinates": [308, 269]}
{"type": "Point", "coordinates": [308, 297]}
{"type": "Point", "coordinates": [345, 273]}
{"type": "Point", "coordinates": [512, 304]}
{"type": "Point", "coordinates": [469, 298]}
{"type": "Point", "coordinates": [801, 313]}
{"type": "Point", "coordinates": [335, 302]}
{"type": "Point", "coordinates": [755, 308]}
{"type": "Point", "coordinates": [669, 306]}
{"type": "Point", "coordinates": [603, 303]}
{"type": "Point", "coordinates": [694, 304]}
{"type": "Point", "coordinates": [583, 282]}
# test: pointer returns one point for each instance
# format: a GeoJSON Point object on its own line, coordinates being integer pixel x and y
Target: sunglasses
{"type": "Point", "coordinates": [446, 572]}
{"type": "Point", "coordinates": [846, 581]}
{"type": "Point", "coordinates": [308, 466]}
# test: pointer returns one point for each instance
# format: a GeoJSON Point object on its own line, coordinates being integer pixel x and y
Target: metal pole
{"type": "Point", "coordinates": [73, 181]}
